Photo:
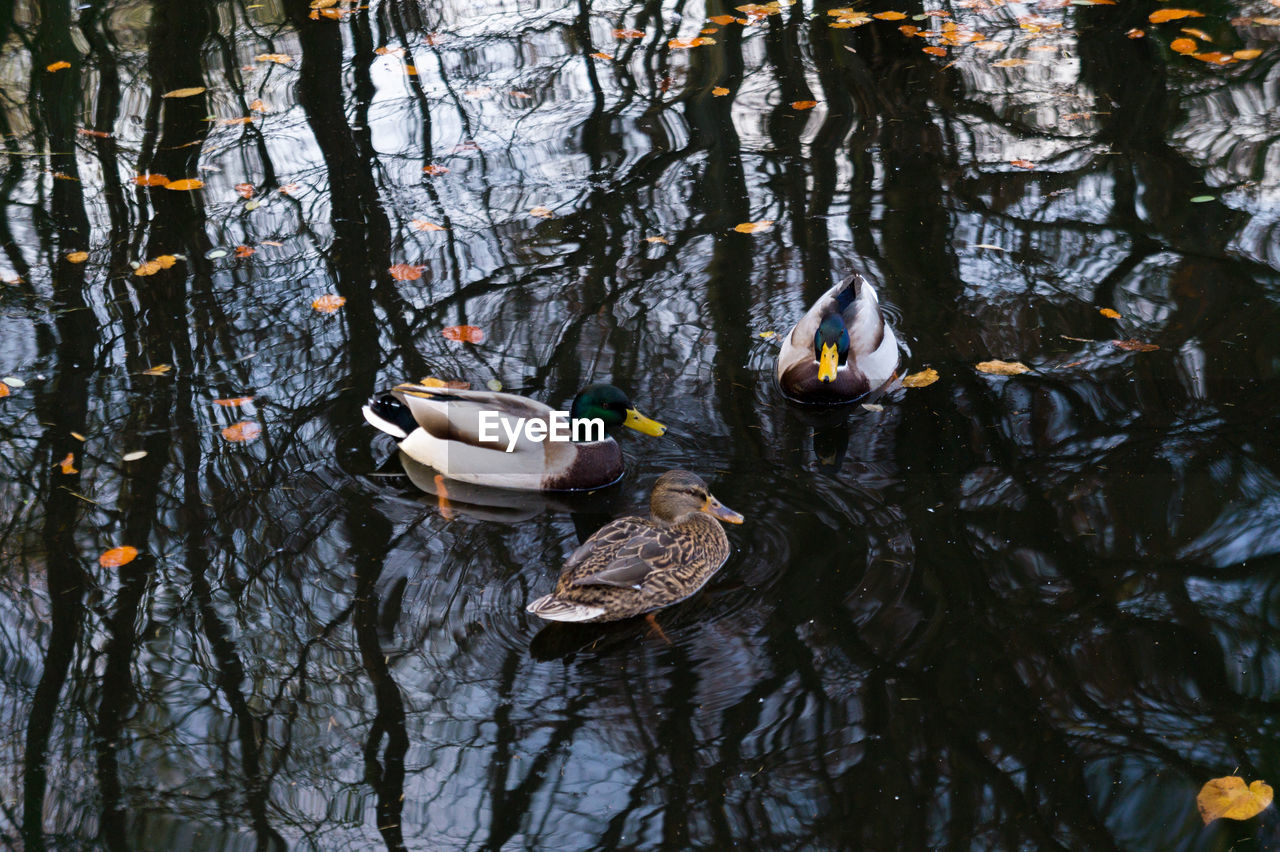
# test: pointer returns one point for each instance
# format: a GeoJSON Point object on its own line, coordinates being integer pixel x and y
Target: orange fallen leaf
{"type": "Point", "coordinates": [1195, 33]}
{"type": "Point", "coordinates": [889, 16]}
{"type": "Point", "coordinates": [753, 227]}
{"type": "Point", "coordinates": [151, 180]}
{"type": "Point", "coordinates": [423, 225]}
{"type": "Point", "coordinates": [158, 370]}
{"type": "Point", "coordinates": [709, 30]}
{"type": "Point", "coordinates": [1134, 345]}
{"type": "Point", "coordinates": [600, 55]}
{"type": "Point", "coordinates": [257, 106]}
{"type": "Point", "coordinates": [328, 303]}
{"type": "Point", "coordinates": [1011, 62]}
{"type": "Point", "coordinates": [722, 20]}
{"type": "Point", "coordinates": [226, 122]}
{"type": "Point", "coordinates": [97, 134]}
{"type": "Point", "coordinates": [1135, 33]}
{"type": "Point", "coordinates": [151, 267]}
{"type": "Point", "coordinates": [246, 190]}
{"type": "Point", "coordinates": [234, 401]}
{"type": "Point", "coordinates": [1002, 368]}
{"type": "Point", "coordinates": [77, 257]}
{"type": "Point", "coordinates": [4, 390]}
{"type": "Point", "coordinates": [184, 183]}
{"type": "Point", "coordinates": [922, 379]}
{"type": "Point", "coordinates": [279, 58]}
{"type": "Point", "coordinates": [662, 240]}
{"type": "Point", "coordinates": [433, 170]}
{"type": "Point", "coordinates": [687, 43]}
{"type": "Point", "coordinates": [1182, 45]}
{"type": "Point", "coordinates": [908, 30]}
{"type": "Point", "coordinates": [186, 92]}
{"type": "Point", "coordinates": [935, 51]}
{"type": "Point", "coordinates": [406, 272]}
{"type": "Point", "coordinates": [1022, 164]}
{"type": "Point", "coordinates": [117, 556]}
{"type": "Point", "coordinates": [464, 333]}
{"type": "Point", "coordinates": [1159, 16]}
{"type": "Point", "coordinates": [390, 51]}
{"type": "Point", "coordinates": [1109, 313]}
{"type": "Point", "coordinates": [245, 430]}
{"type": "Point", "coordinates": [68, 464]}
{"type": "Point", "coordinates": [1246, 54]}
{"type": "Point", "coordinates": [245, 251]}
{"type": "Point", "coordinates": [57, 66]}
{"type": "Point", "coordinates": [803, 104]}
{"type": "Point", "coordinates": [628, 33]}
{"type": "Point", "coordinates": [719, 91]}
{"type": "Point", "coordinates": [442, 498]}
{"type": "Point", "coordinates": [544, 212]}
{"type": "Point", "coordinates": [1229, 798]}
{"type": "Point", "coordinates": [288, 189]}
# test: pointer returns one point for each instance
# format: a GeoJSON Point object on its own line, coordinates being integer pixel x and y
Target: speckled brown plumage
{"type": "Point", "coordinates": [634, 565]}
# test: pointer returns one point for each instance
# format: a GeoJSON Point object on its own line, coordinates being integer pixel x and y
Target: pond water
{"type": "Point", "coordinates": [995, 612]}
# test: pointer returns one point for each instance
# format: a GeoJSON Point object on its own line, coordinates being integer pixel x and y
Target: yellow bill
{"type": "Point", "coordinates": [640, 423]}
{"type": "Point", "coordinates": [828, 362]}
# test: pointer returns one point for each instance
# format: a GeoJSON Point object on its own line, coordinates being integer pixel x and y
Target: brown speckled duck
{"type": "Point", "coordinates": [841, 349]}
{"type": "Point", "coordinates": [441, 428]}
{"type": "Point", "coordinates": [633, 565]}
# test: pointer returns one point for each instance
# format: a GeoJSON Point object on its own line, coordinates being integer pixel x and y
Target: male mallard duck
{"type": "Point", "coordinates": [841, 349]}
{"type": "Point", "coordinates": [444, 429]}
{"type": "Point", "coordinates": [633, 565]}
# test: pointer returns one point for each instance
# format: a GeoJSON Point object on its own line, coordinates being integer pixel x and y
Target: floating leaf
{"type": "Point", "coordinates": [4, 390]}
{"type": "Point", "coordinates": [452, 384]}
{"type": "Point", "coordinates": [1012, 62]}
{"type": "Point", "coordinates": [233, 401]}
{"type": "Point", "coordinates": [215, 253]}
{"type": "Point", "coordinates": [245, 430]}
{"type": "Point", "coordinates": [935, 51]}
{"type": "Point", "coordinates": [185, 183]}
{"type": "Point", "coordinates": [872, 406]}
{"type": "Point", "coordinates": [1247, 54]}
{"type": "Point", "coordinates": [722, 20]}
{"type": "Point", "coordinates": [390, 51]}
{"type": "Point", "coordinates": [628, 33]}
{"type": "Point", "coordinates": [102, 134]}
{"type": "Point", "coordinates": [278, 58]}
{"type": "Point", "coordinates": [77, 256]}
{"type": "Point", "coordinates": [186, 92]}
{"type": "Point", "coordinates": [245, 251]}
{"type": "Point", "coordinates": [493, 385]}
{"type": "Point", "coordinates": [719, 91]}
{"type": "Point", "coordinates": [134, 456]}
{"type": "Point", "coordinates": [1134, 345]}
{"type": "Point", "coordinates": [1229, 798]}
{"type": "Point", "coordinates": [1002, 368]}
{"type": "Point", "coordinates": [57, 66]}
{"type": "Point", "coordinates": [1135, 33]}
{"type": "Point", "coordinates": [246, 190]}
{"type": "Point", "coordinates": [328, 303]}
{"type": "Point", "coordinates": [1182, 45]}
{"type": "Point", "coordinates": [13, 382]}
{"type": "Point", "coordinates": [158, 370]}
{"type": "Point", "coordinates": [68, 464]}
{"type": "Point", "coordinates": [257, 106]}
{"type": "Point", "coordinates": [77, 436]}
{"type": "Point", "coordinates": [1159, 16]}
{"type": "Point", "coordinates": [225, 122]}
{"type": "Point", "coordinates": [922, 379]}
{"type": "Point", "coordinates": [1216, 57]}
{"type": "Point", "coordinates": [662, 240]}
{"type": "Point", "coordinates": [687, 43]}
{"type": "Point", "coordinates": [406, 272]}
{"type": "Point", "coordinates": [889, 16]}
{"type": "Point", "coordinates": [541, 211]}
{"type": "Point", "coordinates": [288, 189]}
{"type": "Point", "coordinates": [1022, 164]}
{"type": "Point", "coordinates": [464, 333]}
{"type": "Point", "coordinates": [151, 180]}
{"type": "Point", "coordinates": [423, 225]}
{"type": "Point", "coordinates": [803, 104]}
{"type": "Point", "coordinates": [1109, 313]}
{"type": "Point", "coordinates": [442, 498]}
{"type": "Point", "coordinates": [151, 267]}
{"type": "Point", "coordinates": [753, 227]}
{"type": "Point", "coordinates": [601, 55]}
{"type": "Point", "coordinates": [433, 170]}
{"type": "Point", "coordinates": [767, 335]}
{"type": "Point", "coordinates": [117, 556]}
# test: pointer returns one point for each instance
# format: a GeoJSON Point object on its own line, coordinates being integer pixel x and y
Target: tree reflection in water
{"type": "Point", "coordinates": [1001, 613]}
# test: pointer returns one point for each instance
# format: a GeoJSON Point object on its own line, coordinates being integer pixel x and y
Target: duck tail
{"type": "Point", "coordinates": [389, 414]}
{"type": "Point", "coordinates": [553, 609]}
{"type": "Point", "coordinates": [850, 291]}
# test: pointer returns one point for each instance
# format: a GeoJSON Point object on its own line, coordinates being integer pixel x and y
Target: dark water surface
{"type": "Point", "coordinates": [1034, 612]}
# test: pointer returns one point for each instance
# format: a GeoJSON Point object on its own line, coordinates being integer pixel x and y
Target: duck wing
{"type": "Point", "coordinates": [454, 415]}
{"type": "Point", "coordinates": [859, 308]}
{"type": "Point", "coordinates": [623, 553]}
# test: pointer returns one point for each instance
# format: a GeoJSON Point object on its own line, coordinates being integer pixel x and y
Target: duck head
{"type": "Point", "coordinates": [678, 494]}
{"type": "Point", "coordinates": [830, 347]}
{"type": "Point", "coordinates": [612, 406]}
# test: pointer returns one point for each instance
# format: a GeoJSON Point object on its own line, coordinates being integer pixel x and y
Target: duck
{"type": "Point", "coordinates": [485, 438]}
{"type": "Point", "coordinates": [841, 349]}
{"type": "Point", "coordinates": [634, 565]}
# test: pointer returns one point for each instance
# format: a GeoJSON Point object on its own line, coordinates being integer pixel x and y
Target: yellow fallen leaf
{"type": "Point", "coordinates": [753, 227]}
{"type": "Point", "coordinates": [922, 379]}
{"type": "Point", "coordinates": [328, 303]}
{"type": "Point", "coordinates": [57, 66]}
{"type": "Point", "coordinates": [258, 106]}
{"type": "Point", "coordinates": [719, 91]}
{"type": "Point", "coordinates": [686, 43]}
{"type": "Point", "coordinates": [767, 335]}
{"type": "Point", "coordinates": [279, 58]}
{"type": "Point", "coordinates": [1109, 313]}
{"type": "Point", "coordinates": [1002, 368]}
{"type": "Point", "coordinates": [185, 183]}
{"type": "Point", "coordinates": [233, 402]}
{"type": "Point", "coordinates": [662, 240]}
{"type": "Point", "coordinates": [245, 430]}
{"type": "Point", "coordinates": [1229, 798]}
{"type": "Point", "coordinates": [601, 55]}
{"type": "Point", "coordinates": [1159, 16]}
{"type": "Point", "coordinates": [541, 211]}
{"type": "Point", "coordinates": [157, 370]}
{"type": "Point", "coordinates": [186, 92]}
{"type": "Point", "coordinates": [889, 16]}
{"type": "Point", "coordinates": [1247, 54]}
{"type": "Point", "coordinates": [77, 256]}
{"type": "Point", "coordinates": [68, 464]}
{"type": "Point", "coordinates": [1012, 62]}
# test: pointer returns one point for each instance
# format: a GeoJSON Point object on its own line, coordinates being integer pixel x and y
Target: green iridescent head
{"type": "Point", "coordinates": [607, 403]}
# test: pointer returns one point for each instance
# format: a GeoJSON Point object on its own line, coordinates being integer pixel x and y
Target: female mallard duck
{"type": "Point", "coordinates": [485, 437]}
{"type": "Point", "coordinates": [841, 349]}
{"type": "Point", "coordinates": [634, 565]}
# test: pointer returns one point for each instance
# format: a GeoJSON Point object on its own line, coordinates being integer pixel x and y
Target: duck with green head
{"type": "Point", "coordinates": [484, 437]}
{"type": "Point", "coordinates": [841, 349]}
{"type": "Point", "coordinates": [634, 565]}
